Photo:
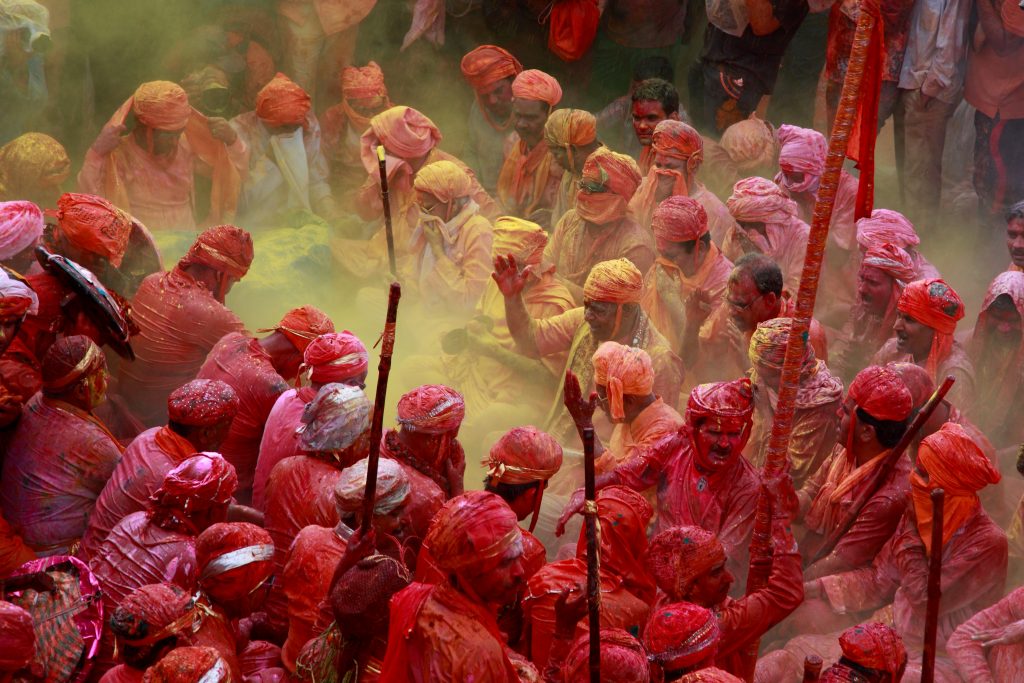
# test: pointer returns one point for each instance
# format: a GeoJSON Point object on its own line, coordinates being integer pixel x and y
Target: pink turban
{"type": "Point", "coordinates": [884, 226]}
{"type": "Point", "coordinates": [802, 150]}
{"type": "Point", "coordinates": [21, 224]}
{"type": "Point", "coordinates": [203, 480]}
{"type": "Point", "coordinates": [679, 219]}
{"type": "Point", "coordinates": [622, 370]}
{"type": "Point", "coordinates": [282, 102]}
{"type": "Point", "coordinates": [404, 132]}
{"type": "Point", "coordinates": [891, 260]}
{"type": "Point", "coordinates": [750, 144]}
{"type": "Point", "coordinates": [335, 357]}
{"type": "Point", "coordinates": [202, 403]}
{"type": "Point", "coordinates": [882, 394]}
{"type": "Point", "coordinates": [161, 105]}
{"type": "Point", "coordinates": [431, 409]}
{"type": "Point", "coordinates": [537, 86]}
{"type": "Point", "coordinates": [759, 200]}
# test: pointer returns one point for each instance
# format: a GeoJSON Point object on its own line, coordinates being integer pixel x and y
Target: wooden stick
{"type": "Point", "coordinates": [931, 619]}
{"type": "Point", "coordinates": [593, 555]}
{"type": "Point", "coordinates": [812, 668]}
{"type": "Point", "coordinates": [385, 197]}
{"type": "Point", "coordinates": [387, 349]}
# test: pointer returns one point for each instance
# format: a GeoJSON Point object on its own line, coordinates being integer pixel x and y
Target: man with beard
{"type": "Point", "coordinates": [489, 70]}
{"type": "Point", "coordinates": [1015, 235]}
{"type": "Point", "coordinates": [571, 137]}
{"type": "Point", "coordinates": [654, 101]}
{"type": "Point", "coordinates": [610, 312]}
{"type": "Point", "coordinates": [363, 96]}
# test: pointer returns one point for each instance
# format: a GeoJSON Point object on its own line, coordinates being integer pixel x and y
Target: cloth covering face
{"type": "Point", "coordinates": [622, 370]}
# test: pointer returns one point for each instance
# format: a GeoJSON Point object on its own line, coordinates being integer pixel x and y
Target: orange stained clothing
{"type": "Point", "coordinates": [650, 426]}
{"type": "Point", "coordinates": [577, 246]}
{"type": "Point", "coordinates": [529, 181]}
{"type": "Point", "coordinates": [456, 281]}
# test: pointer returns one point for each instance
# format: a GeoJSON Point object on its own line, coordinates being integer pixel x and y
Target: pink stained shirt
{"type": "Point", "coordinates": [989, 665]}
{"type": "Point", "coordinates": [279, 440]}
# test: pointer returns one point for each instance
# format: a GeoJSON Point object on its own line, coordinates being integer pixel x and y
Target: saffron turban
{"type": "Point", "coordinates": [445, 180]}
{"type": "Point", "coordinates": [335, 357]}
{"type": "Point", "coordinates": [731, 402]}
{"type": "Point", "coordinates": [891, 260]}
{"type": "Point", "coordinates": [875, 646]}
{"type": "Point", "coordinates": [151, 613]}
{"type": "Point", "coordinates": [882, 394]}
{"type": "Point", "coordinates": [768, 345]}
{"type": "Point", "coordinates": [680, 555]}
{"type": "Point", "coordinates": [759, 200]}
{"type": "Point", "coordinates": [617, 282]}
{"type": "Point", "coordinates": [623, 659]}
{"type": "Point", "coordinates": [224, 248]}
{"type": "Point", "coordinates": [358, 82]}
{"type": "Point", "coordinates": [537, 86]}
{"type": "Point", "coordinates": [302, 325]}
{"type": "Point", "coordinates": [200, 482]}
{"type": "Point", "coordinates": [523, 455]}
{"type": "Point", "coordinates": [30, 162]}
{"type": "Point", "coordinates": [431, 409]}
{"type": "Point", "coordinates": [69, 360]}
{"type": "Point", "coordinates": [750, 144]}
{"type": "Point", "coordinates": [622, 370]}
{"type": "Point", "coordinates": [711, 674]}
{"type": "Point", "coordinates": [519, 237]}
{"type": "Point", "coordinates": [567, 127]}
{"type": "Point", "coordinates": [679, 219]}
{"type": "Point", "coordinates": [16, 297]}
{"type": "Point", "coordinates": [364, 590]}
{"type": "Point", "coordinates": [885, 225]}
{"type": "Point", "coordinates": [803, 150]}
{"type": "Point", "coordinates": [94, 225]}
{"type": "Point", "coordinates": [392, 487]}
{"type": "Point", "coordinates": [681, 635]}
{"type": "Point", "coordinates": [234, 559]}
{"type": "Point", "coordinates": [623, 516]}
{"type": "Point", "coordinates": [618, 173]}
{"type": "Point", "coordinates": [21, 224]}
{"type": "Point", "coordinates": [202, 403]}
{"type": "Point", "coordinates": [17, 637]}
{"type": "Point", "coordinates": [474, 530]}
{"type": "Point", "coordinates": [484, 66]}
{"type": "Point", "coordinates": [282, 102]}
{"type": "Point", "coordinates": [917, 380]}
{"type": "Point", "coordinates": [333, 420]}
{"type": "Point", "coordinates": [934, 304]}
{"type": "Point", "coordinates": [161, 105]}
{"type": "Point", "coordinates": [404, 132]}
{"type": "Point", "coordinates": [677, 139]}
{"type": "Point", "coordinates": [189, 665]}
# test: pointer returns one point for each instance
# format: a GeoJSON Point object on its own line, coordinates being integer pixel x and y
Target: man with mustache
{"type": "Point", "coordinates": [1015, 235]}
{"type": "Point", "coordinates": [363, 96]}
{"type": "Point", "coordinates": [489, 70]}
{"type": "Point", "coordinates": [654, 101]}
{"type": "Point", "coordinates": [571, 137]}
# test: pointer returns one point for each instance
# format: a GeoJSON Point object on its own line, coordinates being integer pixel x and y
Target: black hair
{"type": "Point", "coordinates": [510, 492]}
{"type": "Point", "coordinates": [888, 432]}
{"type": "Point", "coordinates": [1015, 212]}
{"type": "Point", "coordinates": [764, 271]}
{"type": "Point", "coordinates": [690, 245]}
{"type": "Point", "coordinates": [660, 90]}
{"type": "Point", "coordinates": [1003, 302]}
{"type": "Point", "coordinates": [655, 66]}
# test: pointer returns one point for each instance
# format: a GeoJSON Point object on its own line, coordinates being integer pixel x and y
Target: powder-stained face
{"type": "Point", "coordinates": [8, 330]}
{"type": "Point", "coordinates": [498, 101]}
{"type": "Point", "coordinates": [647, 114]}
{"type": "Point", "coordinates": [601, 316]}
{"type": "Point", "coordinates": [1015, 241]}
{"type": "Point", "coordinates": [711, 588]}
{"type": "Point", "coordinates": [874, 290]}
{"type": "Point", "coordinates": [530, 117]}
{"type": "Point", "coordinates": [719, 443]}
{"type": "Point", "coordinates": [1003, 323]}
{"type": "Point", "coordinates": [912, 336]}
{"type": "Point", "coordinates": [502, 584]}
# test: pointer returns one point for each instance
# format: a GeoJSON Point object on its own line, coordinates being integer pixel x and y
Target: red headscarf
{"type": "Point", "coordinates": [623, 659]}
{"type": "Point", "coordinates": [622, 370]}
{"type": "Point", "coordinates": [234, 558]}
{"type": "Point", "coordinates": [203, 481]}
{"type": "Point", "coordinates": [1010, 283]}
{"type": "Point", "coordinates": [335, 357]}
{"type": "Point", "coordinates": [202, 403]}
{"type": "Point", "coordinates": [725, 402]}
{"type": "Point", "coordinates": [898, 266]}
{"type": "Point", "coordinates": [93, 224]}
{"type": "Point", "coordinates": [882, 394]}
{"type": "Point", "coordinates": [618, 176]}
{"type": "Point", "coordinates": [538, 86]}
{"type": "Point", "coordinates": [885, 225]}
{"type": "Point", "coordinates": [474, 530]}
{"type": "Point", "coordinates": [224, 248]}
{"type": "Point", "coordinates": [623, 515]}
{"type": "Point", "coordinates": [69, 360]}
{"type": "Point", "coordinates": [302, 325]}
{"type": "Point", "coordinates": [484, 66]}
{"type": "Point", "coordinates": [189, 665]}
{"type": "Point", "coordinates": [712, 674]}
{"type": "Point", "coordinates": [17, 637]}
{"type": "Point", "coordinates": [875, 646]}
{"type": "Point", "coordinates": [21, 224]}
{"type": "Point", "coordinates": [617, 282]}
{"type": "Point", "coordinates": [803, 150]}
{"type": "Point", "coordinates": [431, 409]}
{"type": "Point", "coordinates": [523, 455]}
{"type": "Point", "coordinates": [935, 304]}
{"type": "Point", "coordinates": [680, 555]}
{"type": "Point", "coordinates": [679, 219]}
{"type": "Point", "coordinates": [681, 635]}
{"type": "Point", "coordinates": [282, 102]}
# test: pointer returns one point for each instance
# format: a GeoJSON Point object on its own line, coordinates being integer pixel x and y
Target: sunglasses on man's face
{"type": "Point", "coordinates": [591, 186]}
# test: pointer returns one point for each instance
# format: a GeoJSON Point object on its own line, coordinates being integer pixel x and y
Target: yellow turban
{"type": "Point", "coordinates": [617, 282]}
{"type": "Point", "coordinates": [520, 238]}
{"type": "Point", "coordinates": [443, 179]}
{"type": "Point", "coordinates": [570, 127]}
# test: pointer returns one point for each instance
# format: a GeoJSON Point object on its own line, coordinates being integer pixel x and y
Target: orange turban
{"type": "Point", "coordinates": [431, 409]}
{"type": "Point", "coordinates": [484, 66]}
{"type": "Point", "coordinates": [617, 282]}
{"type": "Point", "coordinates": [759, 200]}
{"type": "Point", "coordinates": [224, 248]}
{"type": "Point", "coordinates": [711, 674]}
{"type": "Point", "coordinates": [161, 105]}
{"type": "Point", "coordinates": [935, 304]}
{"type": "Point", "coordinates": [681, 635]}
{"type": "Point", "coordinates": [882, 394]}
{"type": "Point", "coordinates": [302, 325]}
{"type": "Point", "coordinates": [885, 225]}
{"type": "Point", "coordinates": [445, 180]}
{"type": "Point", "coordinates": [567, 127]}
{"type": "Point", "coordinates": [618, 173]}
{"type": "Point", "coordinates": [360, 82]}
{"type": "Point", "coordinates": [537, 86]}
{"type": "Point", "coordinates": [679, 219]}
{"type": "Point", "coordinates": [677, 139]}
{"type": "Point", "coordinates": [202, 403]}
{"type": "Point", "coordinates": [623, 659]}
{"type": "Point", "coordinates": [750, 144]}
{"type": "Point", "coordinates": [875, 646]}
{"type": "Point", "coordinates": [622, 370]}
{"type": "Point", "coordinates": [475, 530]}
{"type": "Point", "coordinates": [94, 225]}
{"type": "Point", "coordinates": [523, 455]}
{"type": "Point", "coordinates": [282, 102]}
{"type": "Point", "coordinates": [521, 238]}
{"type": "Point", "coordinates": [680, 555]}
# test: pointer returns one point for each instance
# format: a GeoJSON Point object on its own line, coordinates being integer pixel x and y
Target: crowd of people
{"type": "Point", "coordinates": [183, 500]}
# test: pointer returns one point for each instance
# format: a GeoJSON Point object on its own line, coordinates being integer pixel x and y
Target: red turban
{"type": "Point", "coordinates": [431, 409]}
{"type": "Point", "coordinates": [759, 200]}
{"type": "Point", "coordinates": [21, 224]}
{"type": "Point", "coordinates": [680, 555]}
{"type": "Point", "coordinates": [474, 530]}
{"type": "Point", "coordinates": [750, 143]}
{"type": "Point", "coordinates": [224, 248]}
{"type": "Point", "coordinates": [234, 559]}
{"type": "Point", "coordinates": [567, 127]}
{"type": "Point", "coordinates": [335, 357]}
{"type": "Point", "coordinates": [445, 180]}
{"type": "Point", "coordinates": [916, 379]}
{"type": "Point", "coordinates": [94, 225]}
{"type": "Point", "coordinates": [152, 613]}
{"type": "Point", "coordinates": [202, 403]}
{"type": "Point", "coordinates": [622, 370]}
{"type": "Point", "coordinates": [404, 132]}
{"type": "Point", "coordinates": [623, 516]}
{"type": "Point", "coordinates": [875, 646]}
{"type": "Point", "coordinates": [523, 455]}
{"type": "Point", "coordinates": [934, 304]}
{"type": "Point", "coordinates": [891, 260]}
{"type": "Point", "coordinates": [16, 297]}
{"type": "Point", "coordinates": [200, 482]}
{"type": "Point", "coordinates": [161, 105]}
{"type": "Point", "coordinates": [189, 665]}
{"type": "Point", "coordinates": [729, 402]}
{"type": "Point", "coordinates": [392, 488]}
{"type": "Point", "coordinates": [521, 238]}
{"type": "Point", "coordinates": [617, 282]}
{"type": "Point", "coordinates": [681, 635]}
{"type": "Point", "coordinates": [881, 393]}
{"type": "Point", "coordinates": [484, 66]}
{"type": "Point", "coordinates": [885, 225]}
{"type": "Point", "coordinates": [362, 82]}
{"type": "Point", "coordinates": [69, 360]}
{"type": "Point", "coordinates": [282, 102]}
{"type": "Point", "coordinates": [712, 674]}
{"type": "Point", "coordinates": [302, 325]}
{"type": "Point", "coordinates": [335, 419]}
{"type": "Point", "coordinates": [537, 86]}
{"type": "Point", "coordinates": [17, 637]}
{"type": "Point", "coordinates": [623, 659]}
{"type": "Point", "coordinates": [803, 150]}
{"type": "Point", "coordinates": [679, 219]}
{"type": "Point", "coordinates": [678, 140]}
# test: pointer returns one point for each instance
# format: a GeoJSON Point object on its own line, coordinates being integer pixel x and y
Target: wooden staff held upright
{"type": "Point", "coordinates": [931, 619]}
{"type": "Point", "coordinates": [389, 232]}
{"type": "Point", "coordinates": [387, 349]}
{"type": "Point", "coordinates": [593, 554]}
